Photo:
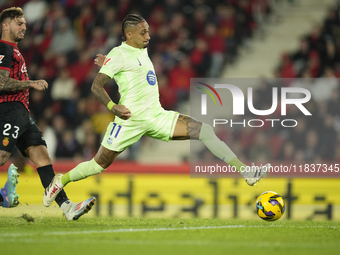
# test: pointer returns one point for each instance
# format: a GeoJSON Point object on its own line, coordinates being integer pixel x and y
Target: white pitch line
{"type": "Point", "coordinates": [123, 230]}
{"type": "Point", "coordinates": [126, 230]}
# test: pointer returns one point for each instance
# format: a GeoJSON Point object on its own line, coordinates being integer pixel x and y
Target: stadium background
{"type": "Point", "coordinates": [189, 39]}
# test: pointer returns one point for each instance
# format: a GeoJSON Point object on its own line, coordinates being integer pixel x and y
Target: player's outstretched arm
{"type": "Point", "coordinates": [9, 84]}
{"type": "Point", "coordinates": [98, 90]}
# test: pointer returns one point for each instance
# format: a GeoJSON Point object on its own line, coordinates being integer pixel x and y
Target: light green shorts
{"type": "Point", "coordinates": [121, 134]}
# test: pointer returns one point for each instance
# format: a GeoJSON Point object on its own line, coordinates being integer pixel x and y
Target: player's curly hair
{"type": "Point", "coordinates": [130, 21]}
{"type": "Point", "coordinates": [11, 13]}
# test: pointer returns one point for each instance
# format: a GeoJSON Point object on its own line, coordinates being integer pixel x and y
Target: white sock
{"type": "Point", "coordinates": [65, 207]}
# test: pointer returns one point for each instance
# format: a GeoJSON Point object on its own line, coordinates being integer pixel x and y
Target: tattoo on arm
{"type": "Point", "coordinates": [117, 112]}
{"type": "Point", "coordinates": [40, 84]}
{"type": "Point", "coordinates": [98, 88]}
{"type": "Point", "coordinates": [9, 84]}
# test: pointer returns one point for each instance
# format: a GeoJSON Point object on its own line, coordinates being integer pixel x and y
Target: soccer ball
{"type": "Point", "coordinates": [270, 206]}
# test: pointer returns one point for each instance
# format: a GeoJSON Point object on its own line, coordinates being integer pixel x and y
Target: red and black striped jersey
{"type": "Point", "coordinates": [12, 61]}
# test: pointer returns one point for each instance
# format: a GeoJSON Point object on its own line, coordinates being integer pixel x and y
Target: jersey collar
{"type": "Point", "coordinates": [128, 47]}
{"type": "Point", "coordinates": [9, 43]}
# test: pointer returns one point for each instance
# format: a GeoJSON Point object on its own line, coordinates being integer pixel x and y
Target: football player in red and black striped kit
{"type": "Point", "coordinates": [16, 126]}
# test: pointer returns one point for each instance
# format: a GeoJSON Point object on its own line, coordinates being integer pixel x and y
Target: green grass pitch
{"type": "Point", "coordinates": [98, 236]}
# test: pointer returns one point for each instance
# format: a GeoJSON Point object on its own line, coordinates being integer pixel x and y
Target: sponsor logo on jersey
{"type": "Point", "coordinates": [1, 57]}
{"type": "Point", "coordinates": [5, 142]}
{"type": "Point", "coordinates": [151, 78]}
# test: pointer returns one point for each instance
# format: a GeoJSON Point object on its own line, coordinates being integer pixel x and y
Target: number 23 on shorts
{"type": "Point", "coordinates": [7, 129]}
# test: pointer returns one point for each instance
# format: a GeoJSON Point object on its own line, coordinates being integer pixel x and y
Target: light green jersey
{"type": "Point", "coordinates": [134, 73]}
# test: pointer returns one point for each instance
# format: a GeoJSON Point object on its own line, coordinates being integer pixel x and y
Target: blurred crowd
{"type": "Point", "coordinates": [315, 66]}
{"type": "Point", "coordinates": [314, 139]}
{"type": "Point", "coordinates": [189, 38]}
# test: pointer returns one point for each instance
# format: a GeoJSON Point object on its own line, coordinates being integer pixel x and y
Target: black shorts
{"type": "Point", "coordinates": [17, 128]}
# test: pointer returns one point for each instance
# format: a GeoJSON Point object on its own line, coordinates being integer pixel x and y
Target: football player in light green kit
{"type": "Point", "coordinates": [139, 111]}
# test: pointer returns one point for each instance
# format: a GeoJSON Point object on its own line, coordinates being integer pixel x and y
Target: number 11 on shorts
{"type": "Point", "coordinates": [113, 129]}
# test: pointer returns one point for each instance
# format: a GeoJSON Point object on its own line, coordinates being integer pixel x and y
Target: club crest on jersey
{"type": "Point", "coordinates": [151, 78]}
{"type": "Point", "coordinates": [109, 140]}
{"type": "Point", "coordinates": [23, 68]}
{"type": "Point", "coordinates": [5, 142]}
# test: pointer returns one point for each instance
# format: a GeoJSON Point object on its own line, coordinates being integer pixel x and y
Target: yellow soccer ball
{"type": "Point", "coordinates": [270, 206]}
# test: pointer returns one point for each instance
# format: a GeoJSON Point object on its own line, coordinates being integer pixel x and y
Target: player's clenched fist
{"type": "Point", "coordinates": [121, 111]}
{"type": "Point", "coordinates": [39, 85]}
